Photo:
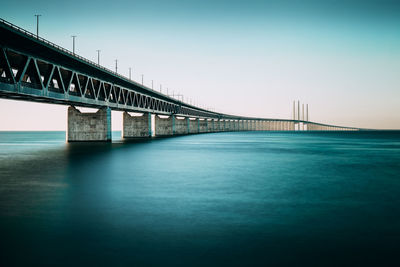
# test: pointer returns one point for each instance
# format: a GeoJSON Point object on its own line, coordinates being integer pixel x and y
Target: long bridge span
{"type": "Point", "coordinates": [34, 69]}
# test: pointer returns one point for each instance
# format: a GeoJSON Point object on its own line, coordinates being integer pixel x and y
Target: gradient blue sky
{"type": "Point", "coordinates": [242, 57]}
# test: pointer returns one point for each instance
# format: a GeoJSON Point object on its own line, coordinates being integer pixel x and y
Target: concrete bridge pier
{"type": "Point", "coordinates": [203, 126]}
{"type": "Point", "coordinates": [221, 125]}
{"type": "Point", "coordinates": [164, 126]}
{"type": "Point", "coordinates": [181, 126]}
{"type": "Point", "coordinates": [94, 126]}
{"type": "Point", "coordinates": [210, 125]}
{"type": "Point", "coordinates": [227, 125]}
{"type": "Point", "coordinates": [265, 125]}
{"type": "Point", "coordinates": [194, 126]}
{"type": "Point", "coordinates": [257, 125]}
{"type": "Point", "coordinates": [136, 126]}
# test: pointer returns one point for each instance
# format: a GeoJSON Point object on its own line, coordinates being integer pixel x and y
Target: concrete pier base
{"type": "Point", "coordinates": [210, 125]}
{"type": "Point", "coordinates": [194, 126]}
{"type": "Point", "coordinates": [164, 126]}
{"type": "Point", "coordinates": [203, 126]}
{"type": "Point", "coordinates": [84, 127]}
{"type": "Point", "coordinates": [136, 126]}
{"type": "Point", "coordinates": [181, 126]}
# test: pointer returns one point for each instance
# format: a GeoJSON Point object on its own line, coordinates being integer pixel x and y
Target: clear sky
{"type": "Point", "coordinates": [248, 58]}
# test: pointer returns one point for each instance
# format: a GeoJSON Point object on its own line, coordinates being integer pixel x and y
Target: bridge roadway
{"type": "Point", "coordinates": [34, 69]}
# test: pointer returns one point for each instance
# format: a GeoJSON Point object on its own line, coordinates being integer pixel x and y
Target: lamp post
{"type": "Point", "coordinates": [98, 57]}
{"type": "Point", "coordinates": [116, 66]}
{"type": "Point", "coordinates": [73, 43]}
{"type": "Point", "coordinates": [37, 25]}
{"type": "Point", "coordinates": [130, 76]}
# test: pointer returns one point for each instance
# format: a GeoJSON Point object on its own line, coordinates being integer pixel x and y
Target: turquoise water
{"type": "Point", "coordinates": [223, 199]}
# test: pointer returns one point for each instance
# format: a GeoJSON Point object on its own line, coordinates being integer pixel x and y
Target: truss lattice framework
{"type": "Point", "coordinates": [44, 80]}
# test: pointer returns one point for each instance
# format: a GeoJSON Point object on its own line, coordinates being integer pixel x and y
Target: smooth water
{"type": "Point", "coordinates": [223, 199]}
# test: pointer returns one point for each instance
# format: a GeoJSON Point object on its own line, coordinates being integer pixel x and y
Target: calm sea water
{"type": "Point", "coordinates": [224, 199]}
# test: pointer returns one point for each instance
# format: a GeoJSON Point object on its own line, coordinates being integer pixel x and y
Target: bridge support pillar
{"type": "Point", "coordinates": [164, 126]}
{"type": "Point", "coordinates": [181, 126]}
{"type": "Point", "coordinates": [82, 127]}
{"type": "Point", "coordinates": [210, 125]}
{"type": "Point", "coordinates": [203, 126]}
{"type": "Point", "coordinates": [136, 126]}
{"type": "Point", "coordinates": [194, 126]}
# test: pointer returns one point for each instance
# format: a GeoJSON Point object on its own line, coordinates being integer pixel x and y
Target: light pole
{"type": "Point", "coordinates": [307, 113]}
{"type": "Point", "coordinates": [130, 69]}
{"type": "Point", "coordinates": [142, 79]}
{"type": "Point", "coordinates": [73, 43]}
{"type": "Point", "coordinates": [37, 26]}
{"type": "Point", "coordinates": [116, 66]}
{"type": "Point", "coordinates": [98, 57]}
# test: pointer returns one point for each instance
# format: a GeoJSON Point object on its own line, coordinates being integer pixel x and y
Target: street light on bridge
{"type": "Point", "coordinates": [37, 25]}
{"type": "Point", "coordinates": [98, 57]}
{"type": "Point", "coordinates": [73, 44]}
{"type": "Point", "coordinates": [116, 66]}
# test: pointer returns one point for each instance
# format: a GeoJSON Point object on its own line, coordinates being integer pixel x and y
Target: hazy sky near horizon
{"type": "Point", "coordinates": [248, 58]}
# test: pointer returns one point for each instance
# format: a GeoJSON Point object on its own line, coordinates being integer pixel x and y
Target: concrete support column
{"type": "Point", "coordinates": [227, 125]}
{"type": "Point", "coordinates": [136, 126]}
{"type": "Point", "coordinates": [210, 125]}
{"type": "Point", "coordinates": [181, 126]}
{"type": "Point", "coordinates": [203, 126]}
{"type": "Point", "coordinates": [194, 126]}
{"type": "Point", "coordinates": [82, 127]}
{"type": "Point", "coordinates": [217, 125]}
{"type": "Point", "coordinates": [164, 126]}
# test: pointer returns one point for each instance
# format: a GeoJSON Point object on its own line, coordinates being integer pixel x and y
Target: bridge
{"type": "Point", "coordinates": [34, 69]}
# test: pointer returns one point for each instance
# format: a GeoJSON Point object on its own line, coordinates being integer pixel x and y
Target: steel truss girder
{"type": "Point", "coordinates": [72, 84]}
